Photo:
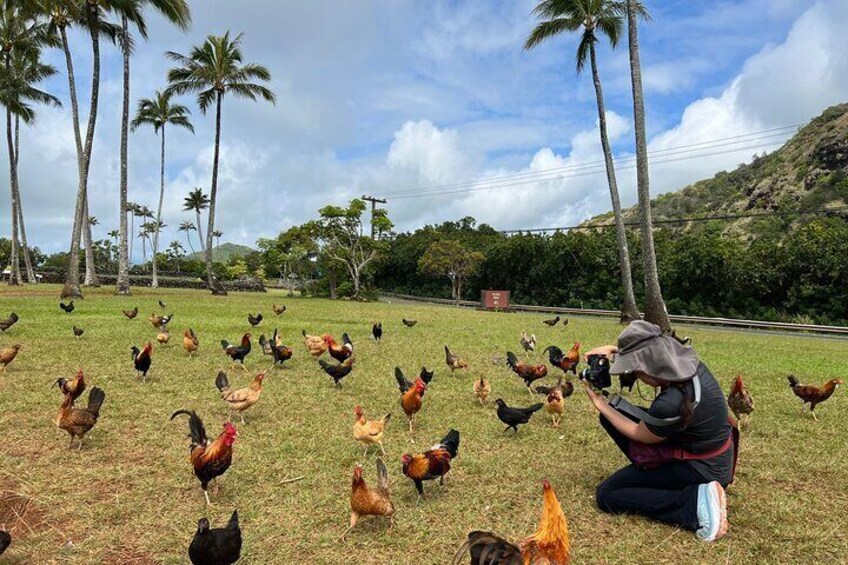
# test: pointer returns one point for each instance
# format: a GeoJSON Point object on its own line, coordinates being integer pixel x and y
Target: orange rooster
{"type": "Point", "coordinates": [482, 388]}
{"type": "Point", "coordinates": [550, 545]}
{"type": "Point", "coordinates": [811, 394]}
{"type": "Point", "coordinates": [339, 352]}
{"type": "Point", "coordinates": [740, 401]}
{"type": "Point", "coordinates": [79, 421]}
{"type": "Point", "coordinates": [209, 460]}
{"type": "Point", "coordinates": [316, 345]}
{"type": "Point", "coordinates": [190, 342]}
{"type": "Point", "coordinates": [411, 395]}
{"type": "Point", "coordinates": [555, 405]}
{"type": "Point", "coordinates": [365, 501]}
{"type": "Point", "coordinates": [239, 400]}
{"type": "Point", "coordinates": [73, 387]}
{"type": "Point", "coordinates": [369, 432]}
{"type": "Point", "coordinates": [565, 361]}
{"type": "Point", "coordinates": [8, 354]}
{"type": "Point", "coordinates": [433, 463]}
{"type": "Point", "coordinates": [528, 373]}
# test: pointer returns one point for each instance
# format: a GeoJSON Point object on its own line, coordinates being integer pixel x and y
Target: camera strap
{"type": "Point", "coordinates": [625, 407]}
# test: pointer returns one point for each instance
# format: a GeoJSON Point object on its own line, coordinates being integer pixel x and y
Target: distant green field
{"type": "Point", "coordinates": [130, 497]}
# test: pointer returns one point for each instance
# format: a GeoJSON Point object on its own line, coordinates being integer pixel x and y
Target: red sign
{"type": "Point", "coordinates": [495, 299]}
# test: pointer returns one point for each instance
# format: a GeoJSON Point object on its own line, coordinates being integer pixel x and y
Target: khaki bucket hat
{"type": "Point", "coordinates": [643, 347]}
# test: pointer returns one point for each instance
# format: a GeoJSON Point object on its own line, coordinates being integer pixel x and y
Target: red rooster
{"type": "Point", "coordinates": [740, 401]}
{"type": "Point", "coordinates": [411, 395]}
{"type": "Point", "coordinates": [528, 373]}
{"type": "Point", "coordinates": [339, 352]}
{"type": "Point", "coordinates": [210, 460]}
{"type": "Point", "coordinates": [433, 463]}
{"type": "Point", "coordinates": [811, 394]}
{"type": "Point", "coordinates": [565, 361]}
{"type": "Point", "coordinates": [142, 360]}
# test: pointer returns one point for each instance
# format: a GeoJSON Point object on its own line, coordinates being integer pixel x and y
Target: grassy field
{"type": "Point", "coordinates": [129, 497]}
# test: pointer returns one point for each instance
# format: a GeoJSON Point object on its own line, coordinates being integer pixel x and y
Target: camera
{"type": "Point", "coordinates": [597, 373]}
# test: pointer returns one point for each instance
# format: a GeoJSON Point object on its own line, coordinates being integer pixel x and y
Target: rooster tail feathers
{"type": "Point", "coordinates": [554, 352]}
{"type": "Point", "coordinates": [382, 475]}
{"type": "Point", "coordinates": [195, 426]}
{"type": "Point", "coordinates": [221, 381]}
{"type": "Point", "coordinates": [451, 442]}
{"type": "Point", "coordinates": [793, 381]}
{"type": "Point", "coordinates": [324, 364]}
{"type": "Point", "coordinates": [233, 524]}
{"type": "Point", "coordinates": [387, 417]}
{"type": "Point", "coordinates": [534, 408]}
{"type": "Point", "coordinates": [95, 400]}
{"type": "Point", "coordinates": [346, 339]}
{"type": "Point", "coordinates": [225, 344]}
{"type": "Point", "coordinates": [303, 332]}
{"type": "Point", "coordinates": [511, 359]}
{"type": "Point", "coordinates": [262, 340]}
{"type": "Point", "coordinates": [403, 384]}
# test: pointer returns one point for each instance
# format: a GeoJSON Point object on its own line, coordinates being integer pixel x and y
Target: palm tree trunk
{"type": "Point", "coordinates": [15, 275]}
{"type": "Point", "coordinates": [188, 240]}
{"type": "Point", "coordinates": [144, 251]}
{"type": "Point", "coordinates": [214, 285]}
{"type": "Point", "coordinates": [94, 24]}
{"type": "Point", "coordinates": [629, 311]}
{"type": "Point", "coordinates": [72, 288]}
{"type": "Point", "coordinates": [130, 237]}
{"type": "Point", "coordinates": [30, 272]}
{"type": "Point", "coordinates": [655, 310]}
{"type": "Point", "coordinates": [123, 284]}
{"type": "Point", "coordinates": [200, 232]}
{"type": "Point", "coordinates": [155, 282]}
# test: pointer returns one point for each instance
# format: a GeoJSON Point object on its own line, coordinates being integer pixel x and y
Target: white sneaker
{"type": "Point", "coordinates": [712, 511]}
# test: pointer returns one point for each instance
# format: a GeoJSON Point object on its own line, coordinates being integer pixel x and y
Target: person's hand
{"type": "Point", "coordinates": [603, 350]}
{"type": "Point", "coordinates": [597, 399]}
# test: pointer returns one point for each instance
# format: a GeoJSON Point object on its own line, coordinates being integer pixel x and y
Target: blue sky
{"type": "Point", "coordinates": [393, 96]}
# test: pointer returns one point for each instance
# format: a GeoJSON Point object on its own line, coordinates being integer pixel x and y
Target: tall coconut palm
{"type": "Point", "coordinates": [655, 310]}
{"type": "Point", "coordinates": [87, 14]}
{"type": "Point", "coordinates": [159, 112]}
{"type": "Point", "coordinates": [178, 13]}
{"type": "Point", "coordinates": [188, 227]}
{"type": "Point", "coordinates": [213, 70]}
{"type": "Point", "coordinates": [217, 235]}
{"type": "Point", "coordinates": [132, 210]}
{"type": "Point", "coordinates": [21, 38]}
{"type": "Point", "coordinates": [144, 235]}
{"type": "Point", "coordinates": [197, 201]}
{"type": "Point", "coordinates": [592, 18]}
{"type": "Point", "coordinates": [176, 251]}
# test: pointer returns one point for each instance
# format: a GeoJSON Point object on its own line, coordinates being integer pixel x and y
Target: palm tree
{"type": "Point", "coordinates": [21, 38]}
{"type": "Point", "coordinates": [87, 14]}
{"type": "Point", "coordinates": [178, 13]}
{"type": "Point", "coordinates": [593, 17]}
{"type": "Point", "coordinates": [159, 112]}
{"type": "Point", "coordinates": [132, 209]}
{"type": "Point", "coordinates": [197, 201]}
{"type": "Point", "coordinates": [144, 235]}
{"type": "Point", "coordinates": [217, 234]}
{"type": "Point", "coordinates": [188, 227]}
{"type": "Point", "coordinates": [212, 70]}
{"type": "Point", "coordinates": [655, 310]}
{"type": "Point", "coordinates": [176, 251]}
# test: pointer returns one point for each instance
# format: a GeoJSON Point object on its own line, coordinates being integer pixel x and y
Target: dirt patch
{"type": "Point", "coordinates": [19, 514]}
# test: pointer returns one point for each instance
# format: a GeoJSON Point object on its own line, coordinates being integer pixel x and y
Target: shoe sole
{"type": "Point", "coordinates": [720, 495]}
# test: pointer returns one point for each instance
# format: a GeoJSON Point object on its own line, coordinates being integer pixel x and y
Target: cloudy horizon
{"type": "Point", "coordinates": [393, 98]}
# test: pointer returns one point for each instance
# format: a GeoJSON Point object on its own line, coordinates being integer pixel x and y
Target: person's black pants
{"type": "Point", "coordinates": [668, 493]}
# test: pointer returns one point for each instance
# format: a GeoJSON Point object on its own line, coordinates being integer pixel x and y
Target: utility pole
{"type": "Point", "coordinates": [374, 201]}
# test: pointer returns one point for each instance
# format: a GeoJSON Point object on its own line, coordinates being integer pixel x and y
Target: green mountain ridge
{"type": "Point", "coordinates": [809, 172]}
{"type": "Point", "coordinates": [222, 253]}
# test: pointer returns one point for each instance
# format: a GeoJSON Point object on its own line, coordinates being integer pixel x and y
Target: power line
{"type": "Point", "coordinates": [812, 212]}
{"type": "Point", "coordinates": [418, 194]}
{"type": "Point", "coordinates": [703, 145]}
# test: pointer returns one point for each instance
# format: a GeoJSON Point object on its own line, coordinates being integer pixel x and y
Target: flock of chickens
{"type": "Point", "coordinates": [211, 457]}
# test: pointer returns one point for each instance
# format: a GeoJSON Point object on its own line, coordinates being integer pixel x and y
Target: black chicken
{"type": "Point", "coordinates": [238, 352]}
{"type": "Point", "coordinates": [254, 320]}
{"type": "Point", "coordinates": [377, 331]}
{"type": "Point", "coordinates": [409, 323]}
{"type": "Point", "coordinates": [338, 372]}
{"type": "Point", "coordinates": [69, 307]}
{"type": "Point", "coordinates": [552, 322]}
{"type": "Point", "coordinates": [426, 375]}
{"type": "Point", "coordinates": [8, 322]}
{"type": "Point", "coordinates": [162, 305]}
{"type": "Point", "coordinates": [512, 417]}
{"type": "Point", "coordinates": [626, 380]}
{"type": "Point", "coordinates": [78, 332]}
{"type": "Point", "coordinates": [274, 348]}
{"type": "Point", "coordinates": [5, 541]}
{"type": "Point", "coordinates": [567, 388]}
{"type": "Point", "coordinates": [216, 546]}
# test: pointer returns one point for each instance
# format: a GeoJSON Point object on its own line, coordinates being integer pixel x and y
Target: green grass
{"type": "Point", "coordinates": [130, 495]}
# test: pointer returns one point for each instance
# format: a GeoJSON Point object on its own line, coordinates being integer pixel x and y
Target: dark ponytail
{"type": "Point", "coordinates": [686, 409]}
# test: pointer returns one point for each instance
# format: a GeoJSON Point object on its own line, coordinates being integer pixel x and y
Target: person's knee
{"type": "Point", "coordinates": [602, 492]}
